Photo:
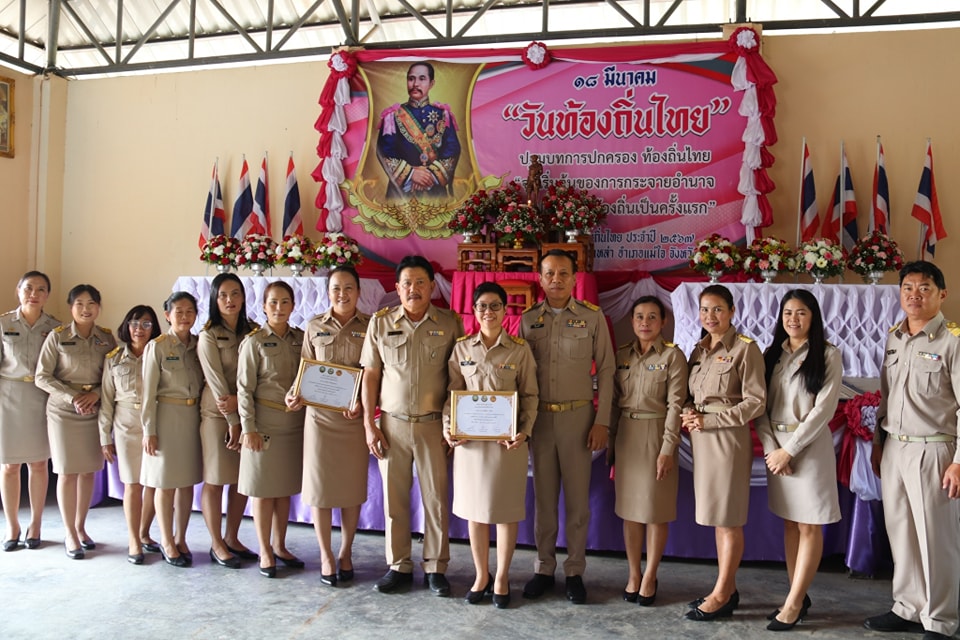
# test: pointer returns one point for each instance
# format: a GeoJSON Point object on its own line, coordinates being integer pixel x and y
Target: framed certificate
{"type": "Point", "coordinates": [328, 386]}
{"type": "Point", "coordinates": [483, 415]}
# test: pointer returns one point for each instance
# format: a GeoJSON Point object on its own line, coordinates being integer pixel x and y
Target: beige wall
{"type": "Point", "coordinates": [15, 192]}
{"type": "Point", "coordinates": [139, 149]}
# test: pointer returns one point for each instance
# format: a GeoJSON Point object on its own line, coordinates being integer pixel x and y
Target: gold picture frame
{"type": "Point", "coordinates": [328, 386]}
{"type": "Point", "coordinates": [483, 415]}
{"type": "Point", "coordinates": [7, 118]}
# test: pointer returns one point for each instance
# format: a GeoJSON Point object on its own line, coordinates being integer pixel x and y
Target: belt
{"type": "Point", "coordinates": [712, 407]}
{"type": "Point", "coordinates": [557, 407]}
{"type": "Point", "coordinates": [427, 417]}
{"type": "Point", "coordinates": [279, 406]}
{"type": "Point", "coordinates": [786, 428]}
{"type": "Point", "coordinates": [128, 405]}
{"type": "Point", "coordinates": [21, 379]}
{"type": "Point", "coordinates": [185, 402]}
{"type": "Point", "coordinates": [940, 437]}
{"type": "Point", "coordinates": [643, 415]}
{"type": "Point", "coordinates": [83, 387]}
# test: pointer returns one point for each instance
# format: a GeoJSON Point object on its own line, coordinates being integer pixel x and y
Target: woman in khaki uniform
{"type": "Point", "coordinates": [649, 392]}
{"type": "Point", "coordinates": [172, 381]}
{"type": "Point", "coordinates": [23, 425]}
{"type": "Point", "coordinates": [219, 348]}
{"type": "Point", "coordinates": [70, 369]}
{"type": "Point", "coordinates": [490, 478]}
{"type": "Point", "coordinates": [335, 456]}
{"type": "Point", "coordinates": [727, 392]}
{"type": "Point", "coordinates": [121, 431]}
{"type": "Point", "coordinates": [271, 460]}
{"type": "Point", "coordinates": [803, 374]}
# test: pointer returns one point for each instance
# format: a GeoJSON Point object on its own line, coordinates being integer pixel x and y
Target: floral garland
{"type": "Point", "coordinates": [294, 249]}
{"type": "Point", "coordinates": [570, 209]}
{"type": "Point", "coordinates": [337, 250]}
{"type": "Point", "coordinates": [767, 254]}
{"type": "Point", "coordinates": [256, 249]}
{"type": "Point", "coordinates": [875, 252]}
{"type": "Point", "coordinates": [220, 249]}
{"type": "Point", "coordinates": [820, 257]}
{"type": "Point", "coordinates": [535, 55]}
{"type": "Point", "coordinates": [715, 253]}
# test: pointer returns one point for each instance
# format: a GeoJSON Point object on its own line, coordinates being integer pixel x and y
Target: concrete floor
{"type": "Point", "coordinates": [43, 595]}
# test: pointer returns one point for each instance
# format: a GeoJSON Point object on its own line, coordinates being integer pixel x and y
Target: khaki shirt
{"type": "Point", "coordinates": [20, 346]}
{"type": "Point", "coordinates": [219, 351]}
{"type": "Point", "coordinates": [920, 381]}
{"type": "Point", "coordinates": [789, 402]}
{"type": "Point", "coordinates": [122, 382]}
{"type": "Point", "coordinates": [651, 382]}
{"type": "Point", "coordinates": [506, 366]}
{"type": "Point", "coordinates": [565, 346]}
{"type": "Point", "coordinates": [327, 341]}
{"type": "Point", "coordinates": [731, 374]}
{"type": "Point", "coordinates": [171, 369]}
{"type": "Point", "coordinates": [267, 368]}
{"type": "Point", "coordinates": [413, 359]}
{"type": "Point", "coordinates": [66, 358]}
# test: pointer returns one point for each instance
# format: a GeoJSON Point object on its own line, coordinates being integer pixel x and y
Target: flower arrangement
{"type": "Point", "coordinates": [294, 250]}
{"type": "Point", "coordinates": [766, 254]}
{"type": "Point", "coordinates": [876, 252]}
{"type": "Point", "coordinates": [336, 250]}
{"type": "Point", "coordinates": [820, 257]}
{"type": "Point", "coordinates": [518, 222]}
{"type": "Point", "coordinates": [715, 254]}
{"type": "Point", "coordinates": [256, 249]}
{"type": "Point", "coordinates": [570, 209]}
{"type": "Point", "coordinates": [220, 250]}
{"type": "Point", "coordinates": [476, 212]}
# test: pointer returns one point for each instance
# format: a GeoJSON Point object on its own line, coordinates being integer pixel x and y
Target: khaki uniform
{"type": "Point", "coordinates": [172, 382]}
{"type": "Point", "coordinates": [490, 482]}
{"type": "Point", "coordinates": [120, 401]}
{"type": "Point", "coordinates": [565, 346]}
{"type": "Point", "coordinates": [23, 424]}
{"type": "Point", "coordinates": [920, 387]}
{"type": "Point", "coordinates": [413, 388]}
{"type": "Point", "coordinates": [727, 386]}
{"type": "Point", "coordinates": [218, 348]}
{"type": "Point", "coordinates": [335, 455]}
{"type": "Point", "coordinates": [649, 392]}
{"type": "Point", "coordinates": [67, 366]}
{"type": "Point", "coordinates": [799, 422]}
{"type": "Point", "coordinates": [267, 368]}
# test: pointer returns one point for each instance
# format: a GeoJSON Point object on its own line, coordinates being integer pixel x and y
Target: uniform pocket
{"type": "Point", "coordinates": [323, 347]}
{"type": "Point", "coordinates": [575, 343]}
{"type": "Point", "coordinates": [395, 349]}
{"type": "Point", "coordinates": [654, 383]}
{"type": "Point", "coordinates": [925, 376]}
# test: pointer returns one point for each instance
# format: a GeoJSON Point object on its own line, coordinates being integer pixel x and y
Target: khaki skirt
{"type": "Point", "coordinates": [128, 439]}
{"type": "Point", "coordinates": [276, 472]}
{"type": "Point", "coordinates": [489, 482]}
{"type": "Point", "coordinates": [74, 440]}
{"type": "Point", "coordinates": [335, 460]}
{"type": "Point", "coordinates": [722, 460]}
{"type": "Point", "coordinates": [23, 423]}
{"type": "Point", "coordinates": [640, 496]}
{"type": "Point", "coordinates": [178, 462]}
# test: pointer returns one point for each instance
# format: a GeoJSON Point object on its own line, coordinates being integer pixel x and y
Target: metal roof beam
{"type": "Point", "coordinates": [623, 12]}
{"type": "Point", "coordinates": [53, 32]}
{"type": "Point", "coordinates": [419, 18]}
{"type": "Point", "coordinates": [86, 31]}
{"type": "Point", "coordinates": [476, 16]}
{"type": "Point", "coordinates": [876, 5]}
{"type": "Point", "coordinates": [149, 32]}
{"type": "Point", "coordinates": [351, 37]}
{"type": "Point", "coordinates": [669, 12]}
{"type": "Point", "coordinates": [296, 25]}
{"type": "Point", "coordinates": [236, 25]}
{"type": "Point", "coordinates": [837, 10]}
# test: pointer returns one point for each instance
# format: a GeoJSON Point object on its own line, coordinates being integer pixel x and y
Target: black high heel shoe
{"type": "Point", "coordinates": [501, 601]}
{"type": "Point", "coordinates": [293, 561]}
{"type": "Point", "coordinates": [328, 579]}
{"type": "Point", "coordinates": [776, 625]}
{"type": "Point", "coordinates": [725, 611]}
{"type": "Point", "coordinates": [229, 563]}
{"type": "Point", "coordinates": [804, 608]}
{"type": "Point", "coordinates": [269, 572]}
{"type": "Point", "coordinates": [179, 561]}
{"type": "Point", "coordinates": [345, 575]}
{"type": "Point", "coordinates": [474, 597]}
{"type": "Point", "coordinates": [647, 601]}
{"type": "Point", "coordinates": [630, 596]}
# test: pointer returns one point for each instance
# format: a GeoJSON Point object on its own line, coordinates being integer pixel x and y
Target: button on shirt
{"type": "Point", "coordinates": [267, 368]}
{"type": "Point", "coordinates": [730, 373]}
{"type": "Point", "coordinates": [219, 350]}
{"type": "Point", "coordinates": [20, 346]}
{"type": "Point", "coordinates": [122, 382]}
{"type": "Point", "coordinates": [327, 341]}
{"type": "Point", "coordinates": [171, 369]}
{"type": "Point", "coordinates": [66, 358]}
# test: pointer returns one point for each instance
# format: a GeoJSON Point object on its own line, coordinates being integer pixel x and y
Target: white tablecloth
{"type": "Point", "coordinates": [857, 317]}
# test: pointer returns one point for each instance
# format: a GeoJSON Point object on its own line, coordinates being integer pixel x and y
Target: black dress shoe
{"type": "Point", "coordinates": [88, 544]}
{"type": "Point", "coordinates": [229, 563]}
{"type": "Point", "coordinates": [10, 545]}
{"type": "Point", "coordinates": [647, 601]}
{"type": "Point", "coordinates": [243, 554]}
{"type": "Point", "coordinates": [135, 558]}
{"type": "Point", "coordinates": [32, 543]}
{"type": "Point", "coordinates": [725, 611]}
{"type": "Point", "coordinates": [178, 561]}
{"type": "Point", "coordinates": [187, 557]}
{"type": "Point", "coordinates": [576, 592]}
{"type": "Point", "coordinates": [693, 604]}
{"type": "Point", "coordinates": [804, 608]}
{"type": "Point", "coordinates": [293, 562]}
{"type": "Point", "coordinates": [630, 596]}
{"type": "Point", "coordinates": [329, 580]}
{"type": "Point", "coordinates": [537, 585]}
{"type": "Point", "coordinates": [345, 575]}
{"type": "Point", "coordinates": [474, 597]}
{"type": "Point", "coordinates": [501, 601]}
{"type": "Point", "coordinates": [393, 580]}
{"type": "Point", "coordinates": [890, 621]}
{"type": "Point", "coordinates": [73, 554]}
{"type": "Point", "coordinates": [933, 635]}
{"type": "Point", "coordinates": [438, 584]}
{"type": "Point", "coordinates": [150, 547]}
{"type": "Point", "coordinates": [776, 625]}
{"type": "Point", "coordinates": [269, 572]}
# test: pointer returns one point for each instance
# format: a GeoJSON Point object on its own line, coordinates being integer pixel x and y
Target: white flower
{"type": "Point", "coordinates": [217, 251]}
{"type": "Point", "coordinates": [536, 53]}
{"type": "Point", "coordinates": [338, 63]}
{"type": "Point", "coordinates": [810, 256]}
{"type": "Point", "coordinates": [747, 39]}
{"type": "Point", "coordinates": [821, 263]}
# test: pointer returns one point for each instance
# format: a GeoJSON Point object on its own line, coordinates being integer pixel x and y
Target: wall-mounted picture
{"type": "Point", "coordinates": [6, 117]}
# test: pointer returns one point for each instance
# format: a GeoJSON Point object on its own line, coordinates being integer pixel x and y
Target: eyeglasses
{"type": "Point", "coordinates": [137, 324]}
{"type": "Point", "coordinates": [493, 306]}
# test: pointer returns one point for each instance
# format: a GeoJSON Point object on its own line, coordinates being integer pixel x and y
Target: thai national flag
{"type": "Point", "coordinates": [926, 209]}
{"type": "Point", "coordinates": [292, 220]}
{"type": "Point", "coordinates": [213, 214]}
{"type": "Point", "coordinates": [831, 225]}
{"type": "Point", "coordinates": [881, 195]}
{"type": "Point", "coordinates": [242, 221]}
{"type": "Point", "coordinates": [809, 218]}
{"type": "Point", "coordinates": [261, 203]}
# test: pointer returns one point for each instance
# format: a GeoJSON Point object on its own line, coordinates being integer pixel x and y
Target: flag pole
{"type": "Point", "coordinates": [800, 212]}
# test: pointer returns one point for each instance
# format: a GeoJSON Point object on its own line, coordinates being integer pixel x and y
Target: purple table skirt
{"type": "Point", "coordinates": [859, 535]}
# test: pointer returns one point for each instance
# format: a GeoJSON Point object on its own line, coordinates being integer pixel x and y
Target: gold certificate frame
{"type": "Point", "coordinates": [483, 415]}
{"type": "Point", "coordinates": [328, 386]}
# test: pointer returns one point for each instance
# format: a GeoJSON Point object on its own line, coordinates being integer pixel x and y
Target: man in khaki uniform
{"type": "Point", "coordinates": [405, 358]}
{"type": "Point", "coordinates": [567, 336]}
{"type": "Point", "coordinates": [916, 456]}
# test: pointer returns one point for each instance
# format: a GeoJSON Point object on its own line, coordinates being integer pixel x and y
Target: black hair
{"type": "Point", "coordinates": [279, 284]}
{"type": "Point", "coordinates": [139, 311]}
{"type": "Point", "coordinates": [422, 64]}
{"type": "Point", "coordinates": [489, 287]}
{"type": "Point", "coordinates": [649, 300]}
{"type": "Point", "coordinates": [176, 297]}
{"type": "Point", "coordinates": [216, 320]}
{"type": "Point", "coordinates": [924, 268]}
{"type": "Point", "coordinates": [813, 370]}
{"type": "Point", "coordinates": [345, 269]}
{"type": "Point", "coordinates": [81, 289]}
{"type": "Point", "coordinates": [415, 262]}
{"type": "Point", "coordinates": [35, 274]}
{"type": "Point", "coordinates": [560, 253]}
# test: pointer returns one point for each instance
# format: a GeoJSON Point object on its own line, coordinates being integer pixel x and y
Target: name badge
{"type": "Point", "coordinates": [172, 358]}
{"type": "Point", "coordinates": [394, 333]}
{"type": "Point", "coordinates": [358, 334]}
{"type": "Point", "coordinates": [656, 367]}
{"type": "Point", "coordinates": [724, 359]}
{"type": "Point", "coordinates": [322, 334]}
{"type": "Point", "coordinates": [223, 337]}
{"type": "Point", "coordinates": [577, 324]}
{"type": "Point", "coordinates": [623, 366]}
{"type": "Point", "coordinates": [538, 325]}
{"type": "Point", "coordinates": [435, 332]}
{"type": "Point", "coordinates": [270, 344]}
{"type": "Point", "coordinates": [467, 363]}
{"type": "Point", "coordinates": [890, 352]}
{"type": "Point", "coordinates": [929, 356]}
{"type": "Point", "coordinates": [68, 344]}
{"type": "Point", "coordinates": [11, 333]}
{"type": "Point", "coordinates": [98, 342]}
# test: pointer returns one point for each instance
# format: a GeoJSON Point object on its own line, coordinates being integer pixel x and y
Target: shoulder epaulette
{"type": "Point", "coordinates": [115, 351]}
{"type": "Point", "coordinates": [104, 329]}
{"type": "Point", "coordinates": [11, 312]}
{"type": "Point", "coordinates": [382, 312]}
{"type": "Point", "coordinates": [60, 328]}
{"type": "Point", "coordinates": [954, 328]}
{"type": "Point", "coordinates": [206, 325]}
{"type": "Point", "coordinates": [672, 345]}
{"type": "Point", "coordinates": [160, 338]}
{"type": "Point", "coordinates": [589, 305]}
{"type": "Point", "coordinates": [624, 346]}
{"type": "Point", "coordinates": [893, 328]}
{"type": "Point", "coordinates": [517, 339]}
{"type": "Point", "coordinates": [744, 338]}
{"type": "Point", "coordinates": [253, 325]}
{"type": "Point", "coordinates": [254, 331]}
{"type": "Point", "coordinates": [462, 338]}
